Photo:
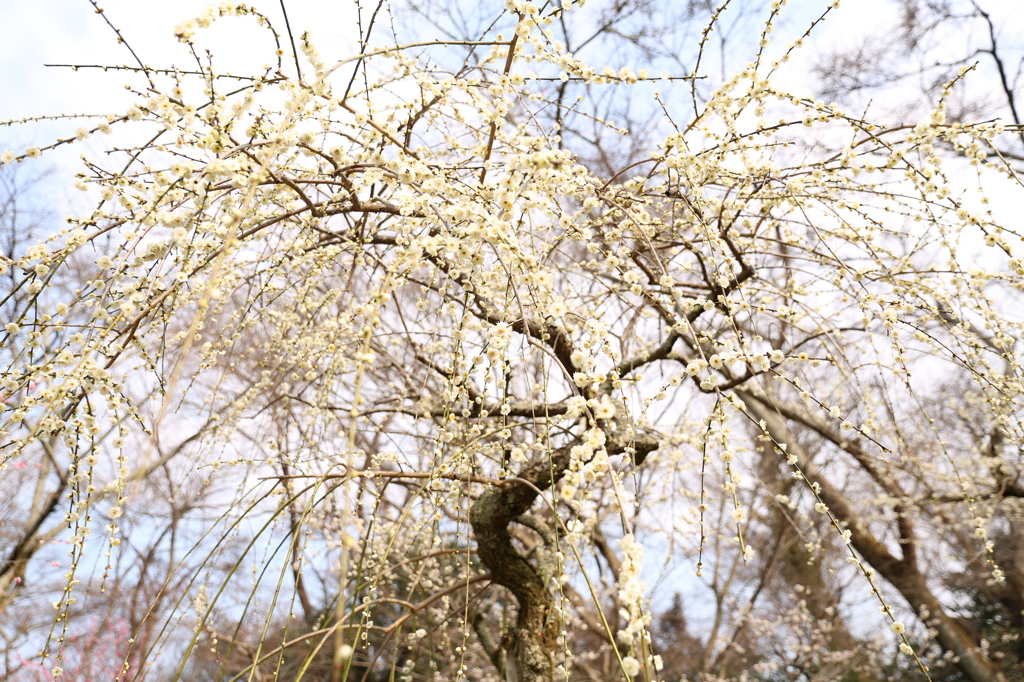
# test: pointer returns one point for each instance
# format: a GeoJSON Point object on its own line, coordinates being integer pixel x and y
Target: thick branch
{"type": "Point", "coordinates": [902, 573]}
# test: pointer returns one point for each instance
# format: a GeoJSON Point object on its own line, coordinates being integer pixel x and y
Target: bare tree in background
{"type": "Point", "coordinates": [910, 59]}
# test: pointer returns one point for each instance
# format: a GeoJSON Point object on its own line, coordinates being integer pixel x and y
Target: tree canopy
{"type": "Point", "coordinates": [416, 364]}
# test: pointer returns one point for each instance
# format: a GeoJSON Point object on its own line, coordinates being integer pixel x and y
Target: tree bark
{"type": "Point", "coordinates": [534, 641]}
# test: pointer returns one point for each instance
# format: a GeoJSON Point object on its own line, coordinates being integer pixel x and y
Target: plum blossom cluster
{"type": "Point", "coordinates": [406, 310]}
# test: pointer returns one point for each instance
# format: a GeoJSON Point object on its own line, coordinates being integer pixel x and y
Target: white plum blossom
{"type": "Point", "coordinates": [426, 319]}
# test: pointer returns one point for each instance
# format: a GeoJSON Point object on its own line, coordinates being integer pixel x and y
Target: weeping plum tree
{"type": "Point", "coordinates": [439, 386]}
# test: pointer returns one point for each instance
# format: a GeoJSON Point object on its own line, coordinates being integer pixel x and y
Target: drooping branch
{"type": "Point", "coordinates": [902, 573]}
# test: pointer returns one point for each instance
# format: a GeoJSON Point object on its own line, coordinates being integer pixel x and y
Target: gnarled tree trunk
{"type": "Point", "coordinates": [533, 643]}
{"type": "Point", "coordinates": [534, 640]}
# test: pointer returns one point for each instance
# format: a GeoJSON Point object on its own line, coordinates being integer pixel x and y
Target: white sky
{"type": "Point", "coordinates": [38, 32]}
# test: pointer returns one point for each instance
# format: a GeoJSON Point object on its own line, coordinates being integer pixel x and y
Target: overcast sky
{"type": "Point", "coordinates": [38, 32]}
{"type": "Point", "coordinates": [34, 33]}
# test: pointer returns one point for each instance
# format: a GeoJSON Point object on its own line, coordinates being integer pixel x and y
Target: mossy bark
{"type": "Point", "coordinates": [533, 641]}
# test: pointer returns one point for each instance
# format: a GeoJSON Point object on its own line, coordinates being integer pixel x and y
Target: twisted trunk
{"type": "Point", "coordinates": [534, 641]}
